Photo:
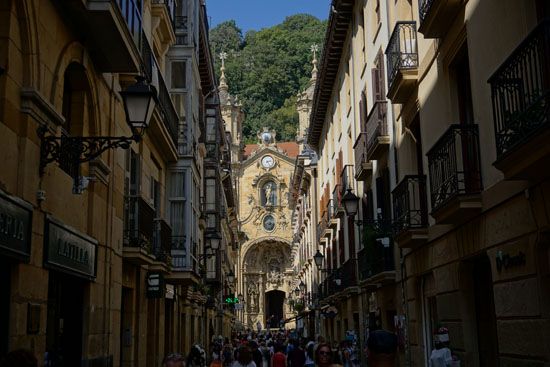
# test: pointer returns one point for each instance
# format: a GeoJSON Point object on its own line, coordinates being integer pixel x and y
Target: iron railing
{"type": "Point", "coordinates": [377, 125]}
{"type": "Point", "coordinates": [162, 240]}
{"type": "Point", "coordinates": [330, 210]}
{"type": "Point", "coordinates": [337, 195]}
{"type": "Point", "coordinates": [180, 25]}
{"type": "Point", "coordinates": [131, 14]}
{"type": "Point", "coordinates": [520, 91]}
{"type": "Point", "coordinates": [424, 7]}
{"type": "Point", "coordinates": [360, 152]}
{"type": "Point", "coordinates": [339, 279]}
{"type": "Point", "coordinates": [166, 106]}
{"type": "Point", "coordinates": [347, 177]}
{"type": "Point", "coordinates": [454, 164]}
{"type": "Point", "coordinates": [139, 223]}
{"type": "Point", "coordinates": [402, 51]}
{"type": "Point", "coordinates": [377, 254]}
{"type": "Point", "coordinates": [410, 208]}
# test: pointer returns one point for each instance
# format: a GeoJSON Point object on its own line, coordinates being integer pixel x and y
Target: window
{"type": "Point", "coordinates": [155, 195]}
{"type": "Point", "coordinates": [177, 208]}
{"type": "Point", "coordinates": [269, 194]}
{"type": "Point", "coordinates": [178, 74]}
{"type": "Point", "coordinates": [378, 79]}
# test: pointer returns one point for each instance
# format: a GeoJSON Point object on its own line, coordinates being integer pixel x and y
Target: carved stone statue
{"type": "Point", "coordinates": [253, 297]}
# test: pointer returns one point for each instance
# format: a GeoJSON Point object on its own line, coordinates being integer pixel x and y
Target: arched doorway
{"type": "Point", "coordinates": [274, 301]}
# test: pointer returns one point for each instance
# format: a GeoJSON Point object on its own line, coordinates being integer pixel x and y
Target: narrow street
{"type": "Point", "coordinates": [290, 183]}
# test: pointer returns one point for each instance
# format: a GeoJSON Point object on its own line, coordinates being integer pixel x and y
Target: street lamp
{"type": "Point", "coordinates": [231, 277]}
{"type": "Point", "coordinates": [351, 203]}
{"type": "Point", "coordinates": [139, 102]}
{"type": "Point", "coordinates": [302, 286]}
{"type": "Point", "coordinates": [318, 258]}
{"type": "Point", "coordinates": [213, 241]}
{"type": "Point", "coordinates": [297, 292]}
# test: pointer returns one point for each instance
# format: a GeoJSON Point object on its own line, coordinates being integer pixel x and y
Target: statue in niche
{"type": "Point", "coordinates": [253, 297]}
{"type": "Point", "coordinates": [269, 194]}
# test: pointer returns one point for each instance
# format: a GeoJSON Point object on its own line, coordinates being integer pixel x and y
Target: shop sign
{"type": "Point", "coordinates": [15, 226]}
{"type": "Point", "coordinates": [69, 251]}
{"type": "Point", "coordinates": [505, 260]}
{"type": "Point", "coordinates": [155, 285]}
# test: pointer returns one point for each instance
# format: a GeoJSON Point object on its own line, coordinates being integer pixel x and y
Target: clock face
{"type": "Point", "coordinates": [269, 223]}
{"type": "Point", "coordinates": [268, 161]}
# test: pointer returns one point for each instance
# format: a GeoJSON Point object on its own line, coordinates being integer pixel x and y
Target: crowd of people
{"type": "Point", "coordinates": [279, 349]}
{"type": "Point", "coordinates": [282, 349]}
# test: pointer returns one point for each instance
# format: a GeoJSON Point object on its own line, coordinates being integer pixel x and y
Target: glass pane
{"type": "Point", "coordinates": [178, 74]}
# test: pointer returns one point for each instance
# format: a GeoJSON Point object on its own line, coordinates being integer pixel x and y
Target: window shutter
{"type": "Point", "coordinates": [376, 92]}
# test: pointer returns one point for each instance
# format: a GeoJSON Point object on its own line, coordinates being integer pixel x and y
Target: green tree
{"type": "Point", "coordinates": [267, 68]}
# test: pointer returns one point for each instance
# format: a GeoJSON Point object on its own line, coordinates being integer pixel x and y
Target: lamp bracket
{"type": "Point", "coordinates": [71, 151]}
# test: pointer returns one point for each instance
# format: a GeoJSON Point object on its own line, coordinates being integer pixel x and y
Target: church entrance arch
{"type": "Point", "coordinates": [274, 301]}
{"type": "Point", "coordinates": [266, 274]}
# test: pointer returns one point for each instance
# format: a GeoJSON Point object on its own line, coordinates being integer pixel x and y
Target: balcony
{"type": "Point", "coordinates": [169, 125]}
{"type": "Point", "coordinates": [164, 13]}
{"type": "Point", "coordinates": [185, 268]}
{"type": "Point", "coordinates": [162, 243]}
{"type": "Point", "coordinates": [182, 36]}
{"type": "Point", "coordinates": [326, 231]}
{"type": "Point", "coordinates": [112, 30]}
{"type": "Point", "coordinates": [455, 174]}
{"type": "Point", "coordinates": [521, 108]}
{"type": "Point", "coordinates": [402, 56]}
{"type": "Point", "coordinates": [138, 231]}
{"type": "Point", "coordinates": [410, 210]}
{"type": "Point", "coordinates": [331, 214]}
{"type": "Point", "coordinates": [436, 16]}
{"type": "Point", "coordinates": [376, 260]}
{"type": "Point", "coordinates": [338, 208]}
{"type": "Point", "coordinates": [363, 167]}
{"type": "Point", "coordinates": [346, 178]}
{"type": "Point", "coordinates": [342, 279]}
{"type": "Point", "coordinates": [377, 131]}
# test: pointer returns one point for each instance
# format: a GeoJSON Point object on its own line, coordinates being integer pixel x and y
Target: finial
{"type": "Point", "coordinates": [314, 48]}
{"type": "Point", "coordinates": [223, 80]}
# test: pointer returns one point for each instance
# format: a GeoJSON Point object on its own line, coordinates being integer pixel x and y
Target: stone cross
{"type": "Point", "coordinates": [314, 48]}
{"type": "Point", "coordinates": [223, 56]}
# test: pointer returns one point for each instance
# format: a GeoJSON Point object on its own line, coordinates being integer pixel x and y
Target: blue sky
{"type": "Point", "coordinates": [258, 14]}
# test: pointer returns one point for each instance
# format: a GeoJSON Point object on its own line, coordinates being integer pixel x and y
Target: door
{"type": "Point", "coordinates": [274, 307]}
{"type": "Point", "coordinates": [64, 322]}
{"type": "Point", "coordinates": [485, 313]}
{"type": "Point", "coordinates": [5, 275]}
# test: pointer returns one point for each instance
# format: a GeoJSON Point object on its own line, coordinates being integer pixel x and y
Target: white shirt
{"type": "Point", "coordinates": [441, 358]}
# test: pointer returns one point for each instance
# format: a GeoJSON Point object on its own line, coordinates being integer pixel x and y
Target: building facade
{"type": "Point", "coordinates": [102, 257]}
{"type": "Point", "coordinates": [432, 114]}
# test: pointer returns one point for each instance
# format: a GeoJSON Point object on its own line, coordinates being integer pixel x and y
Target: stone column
{"type": "Point", "coordinates": [261, 299]}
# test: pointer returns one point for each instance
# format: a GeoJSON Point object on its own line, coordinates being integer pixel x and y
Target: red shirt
{"type": "Point", "coordinates": [278, 360]}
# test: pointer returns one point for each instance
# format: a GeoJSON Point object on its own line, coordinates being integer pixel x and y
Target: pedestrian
{"type": "Point", "coordinates": [297, 356]}
{"type": "Point", "coordinates": [323, 355]}
{"type": "Point", "coordinates": [279, 358]}
{"type": "Point", "coordinates": [266, 355]}
{"type": "Point", "coordinates": [19, 358]}
{"type": "Point", "coordinates": [244, 358]}
{"type": "Point", "coordinates": [310, 352]}
{"type": "Point", "coordinates": [195, 358]}
{"type": "Point", "coordinates": [441, 356]}
{"type": "Point", "coordinates": [257, 356]}
{"type": "Point", "coordinates": [227, 355]}
{"type": "Point", "coordinates": [381, 349]}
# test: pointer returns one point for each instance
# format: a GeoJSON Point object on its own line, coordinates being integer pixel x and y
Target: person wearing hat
{"type": "Point", "coordinates": [441, 356]}
{"type": "Point", "coordinates": [381, 349]}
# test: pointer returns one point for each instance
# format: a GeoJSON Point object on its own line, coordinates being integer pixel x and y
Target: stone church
{"type": "Point", "coordinates": [262, 171]}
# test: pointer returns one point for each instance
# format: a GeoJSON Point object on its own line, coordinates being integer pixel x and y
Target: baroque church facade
{"type": "Point", "coordinates": [265, 265]}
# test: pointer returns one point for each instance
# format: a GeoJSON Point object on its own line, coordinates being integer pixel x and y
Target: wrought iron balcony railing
{"type": "Point", "coordinates": [520, 91]}
{"type": "Point", "coordinates": [181, 30]}
{"type": "Point", "coordinates": [168, 111]}
{"type": "Point", "coordinates": [347, 178]}
{"type": "Point", "coordinates": [360, 152]}
{"type": "Point", "coordinates": [377, 126]}
{"type": "Point", "coordinates": [340, 279]}
{"type": "Point", "coordinates": [131, 14]}
{"type": "Point", "coordinates": [402, 51]}
{"type": "Point", "coordinates": [410, 208]}
{"type": "Point", "coordinates": [454, 165]}
{"type": "Point", "coordinates": [162, 240]}
{"type": "Point", "coordinates": [330, 210]}
{"type": "Point", "coordinates": [139, 223]}
{"type": "Point", "coordinates": [377, 254]}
